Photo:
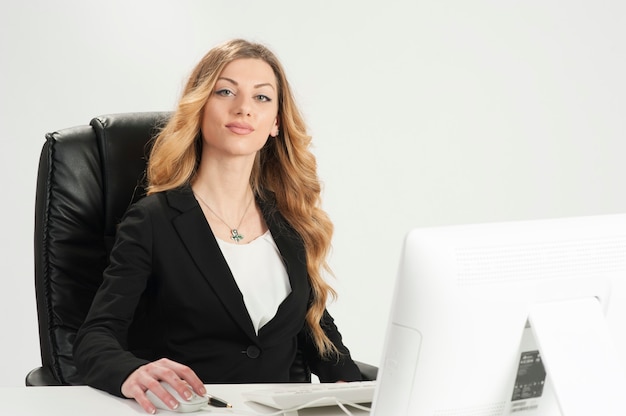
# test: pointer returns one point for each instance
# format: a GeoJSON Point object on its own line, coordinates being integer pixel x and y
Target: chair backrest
{"type": "Point", "coordinates": [87, 178]}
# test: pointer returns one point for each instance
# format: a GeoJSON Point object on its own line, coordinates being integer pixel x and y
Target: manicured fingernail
{"type": "Point", "coordinates": [188, 395]}
{"type": "Point", "coordinates": [174, 404]}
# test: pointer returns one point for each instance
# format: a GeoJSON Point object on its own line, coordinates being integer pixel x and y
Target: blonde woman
{"type": "Point", "coordinates": [216, 275]}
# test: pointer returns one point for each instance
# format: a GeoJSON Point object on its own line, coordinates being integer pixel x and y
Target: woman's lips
{"type": "Point", "coordinates": [240, 128]}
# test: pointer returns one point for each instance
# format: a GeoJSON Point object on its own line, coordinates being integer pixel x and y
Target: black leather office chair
{"type": "Point", "coordinates": [87, 178]}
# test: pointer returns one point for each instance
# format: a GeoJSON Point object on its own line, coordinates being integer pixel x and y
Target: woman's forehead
{"type": "Point", "coordinates": [250, 70]}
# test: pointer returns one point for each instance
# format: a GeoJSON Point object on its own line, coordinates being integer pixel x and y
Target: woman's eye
{"type": "Point", "coordinates": [263, 98]}
{"type": "Point", "coordinates": [224, 92]}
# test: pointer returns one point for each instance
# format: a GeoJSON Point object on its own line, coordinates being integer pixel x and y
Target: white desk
{"type": "Point", "coordinates": [83, 400]}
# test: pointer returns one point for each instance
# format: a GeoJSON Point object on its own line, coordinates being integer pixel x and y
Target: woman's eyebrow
{"type": "Point", "coordinates": [232, 81]}
{"type": "Point", "coordinates": [265, 84]}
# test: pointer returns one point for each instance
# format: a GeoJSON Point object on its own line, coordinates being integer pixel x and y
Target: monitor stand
{"type": "Point", "coordinates": [585, 372]}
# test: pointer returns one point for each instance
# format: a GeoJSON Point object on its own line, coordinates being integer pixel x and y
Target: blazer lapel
{"type": "Point", "coordinates": [196, 235]}
{"type": "Point", "coordinates": [289, 244]}
{"type": "Point", "coordinates": [293, 254]}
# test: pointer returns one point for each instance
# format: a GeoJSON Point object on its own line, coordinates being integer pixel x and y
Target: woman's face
{"type": "Point", "coordinates": [242, 110]}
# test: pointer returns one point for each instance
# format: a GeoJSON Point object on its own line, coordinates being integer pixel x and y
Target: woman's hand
{"type": "Point", "coordinates": [149, 376]}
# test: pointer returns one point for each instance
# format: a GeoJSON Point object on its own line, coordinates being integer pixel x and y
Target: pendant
{"type": "Point", "coordinates": [235, 235]}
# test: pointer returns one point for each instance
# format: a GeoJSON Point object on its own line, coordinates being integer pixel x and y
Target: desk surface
{"type": "Point", "coordinates": [83, 400]}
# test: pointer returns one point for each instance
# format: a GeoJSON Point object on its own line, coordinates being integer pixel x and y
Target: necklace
{"type": "Point", "coordinates": [234, 232]}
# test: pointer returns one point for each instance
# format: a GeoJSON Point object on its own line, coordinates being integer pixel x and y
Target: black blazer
{"type": "Point", "coordinates": [168, 292]}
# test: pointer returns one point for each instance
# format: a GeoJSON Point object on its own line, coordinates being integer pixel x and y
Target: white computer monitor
{"type": "Point", "coordinates": [517, 318]}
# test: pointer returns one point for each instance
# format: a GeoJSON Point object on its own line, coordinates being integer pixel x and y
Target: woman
{"type": "Point", "coordinates": [216, 275]}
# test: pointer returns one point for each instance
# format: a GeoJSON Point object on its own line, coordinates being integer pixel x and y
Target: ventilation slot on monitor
{"type": "Point", "coordinates": [486, 265]}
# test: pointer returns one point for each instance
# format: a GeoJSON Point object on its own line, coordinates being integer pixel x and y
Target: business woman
{"type": "Point", "coordinates": [216, 275]}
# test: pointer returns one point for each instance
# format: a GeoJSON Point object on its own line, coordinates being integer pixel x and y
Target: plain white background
{"type": "Point", "coordinates": [422, 112]}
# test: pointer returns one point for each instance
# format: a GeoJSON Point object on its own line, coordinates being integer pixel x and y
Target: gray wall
{"type": "Point", "coordinates": [423, 113]}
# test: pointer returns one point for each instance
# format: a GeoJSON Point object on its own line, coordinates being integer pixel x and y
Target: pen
{"type": "Point", "coordinates": [217, 402]}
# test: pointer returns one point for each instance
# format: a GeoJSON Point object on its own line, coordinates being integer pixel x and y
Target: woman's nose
{"type": "Point", "coordinates": [243, 106]}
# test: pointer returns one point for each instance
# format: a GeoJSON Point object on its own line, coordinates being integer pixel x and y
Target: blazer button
{"type": "Point", "coordinates": [253, 351]}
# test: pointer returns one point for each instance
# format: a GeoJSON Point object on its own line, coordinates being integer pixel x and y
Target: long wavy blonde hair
{"type": "Point", "coordinates": [285, 166]}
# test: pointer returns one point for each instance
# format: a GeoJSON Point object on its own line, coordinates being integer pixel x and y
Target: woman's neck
{"type": "Point", "coordinates": [225, 186]}
{"type": "Point", "coordinates": [227, 200]}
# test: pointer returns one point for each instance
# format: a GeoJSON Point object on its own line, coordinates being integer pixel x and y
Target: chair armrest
{"type": "Point", "coordinates": [41, 376]}
{"type": "Point", "coordinates": [368, 371]}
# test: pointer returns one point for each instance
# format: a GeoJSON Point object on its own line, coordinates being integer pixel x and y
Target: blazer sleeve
{"type": "Point", "coordinates": [334, 368]}
{"type": "Point", "coordinates": [100, 348]}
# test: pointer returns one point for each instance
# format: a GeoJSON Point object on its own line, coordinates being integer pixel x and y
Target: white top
{"type": "Point", "coordinates": [261, 275]}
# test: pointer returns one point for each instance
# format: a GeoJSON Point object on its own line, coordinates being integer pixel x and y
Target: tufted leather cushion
{"type": "Point", "coordinates": [88, 176]}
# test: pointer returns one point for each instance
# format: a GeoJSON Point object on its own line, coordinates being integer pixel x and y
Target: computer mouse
{"type": "Point", "coordinates": [185, 406]}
